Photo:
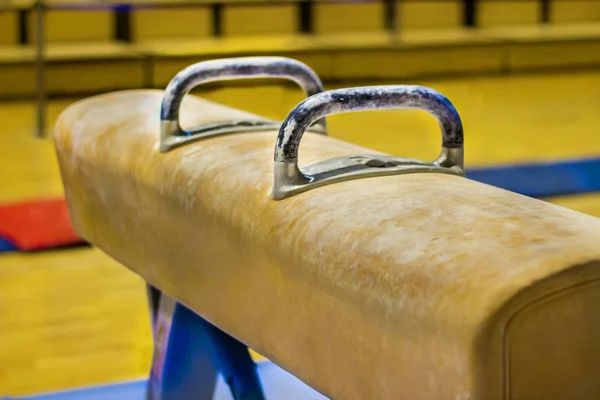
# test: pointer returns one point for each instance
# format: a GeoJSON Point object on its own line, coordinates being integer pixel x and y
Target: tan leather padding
{"type": "Point", "coordinates": [380, 288]}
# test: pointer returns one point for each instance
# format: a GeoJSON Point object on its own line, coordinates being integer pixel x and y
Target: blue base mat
{"type": "Point", "coordinates": [543, 179]}
{"type": "Point", "coordinates": [277, 383]}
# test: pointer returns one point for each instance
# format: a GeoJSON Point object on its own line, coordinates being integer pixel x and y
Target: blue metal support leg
{"type": "Point", "coordinates": [234, 363]}
{"type": "Point", "coordinates": [189, 353]}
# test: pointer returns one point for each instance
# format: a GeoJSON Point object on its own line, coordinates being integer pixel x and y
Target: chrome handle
{"type": "Point", "coordinates": [290, 180]}
{"type": "Point", "coordinates": [173, 135]}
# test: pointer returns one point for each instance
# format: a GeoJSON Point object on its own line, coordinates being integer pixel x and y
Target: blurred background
{"type": "Point", "coordinates": [524, 74]}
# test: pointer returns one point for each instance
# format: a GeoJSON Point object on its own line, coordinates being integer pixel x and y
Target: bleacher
{"type": "Point", "coordinates": [143, 43]}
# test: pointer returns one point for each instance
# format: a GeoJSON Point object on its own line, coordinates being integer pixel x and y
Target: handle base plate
{"type": "Point", "coordinates": [289, 180]}
{"type": "Point", "coordinates": [170, 141]}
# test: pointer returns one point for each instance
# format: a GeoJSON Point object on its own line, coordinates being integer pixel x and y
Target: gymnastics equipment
{"type": "Point", "coordinates": [366, 275]}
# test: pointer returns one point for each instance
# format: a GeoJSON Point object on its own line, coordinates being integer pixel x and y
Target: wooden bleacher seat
{"type": "Point", "coordinates": [575, 11]}
{"type": "Point", "coordinates": [550, 46]}
{"type": "Point", "coordinates": [9, 14]}
{"type": "Point", "coordinates": [99, 66]}
{"type": "Point", "coordinates": [67, 25]}
{"type": "Point", "coordinates": [8, 27]}
{"type": "Point", "coordinates": [15, 5]}
{"type": "Point", "coordinates": [344, 56]}
{"type": "Point", "coordinates": [103, 66]}
{"type": "Point", "coordinates": [170, 56]}
{"type": "Point", "coordinates": [17, 74]}
{"type": "Point", "coordinates": [429, 15]}
{"type": "Point", "coordinates": [240, 19]}
{"type": "Point", "coordinates": [181, 22]}
{"type": "Point", "coordinates": [344, 17]}
{"type": "Point", "coordinates": [493, 13]}
{"type": "Point", "coordinates": [419, 54]}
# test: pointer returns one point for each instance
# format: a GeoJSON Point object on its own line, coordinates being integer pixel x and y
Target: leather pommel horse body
{"type": "Point", "coordinates": [365, 275]}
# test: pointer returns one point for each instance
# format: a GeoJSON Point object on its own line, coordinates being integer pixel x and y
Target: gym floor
{"type": "Point", "coordinates": [74, 318]}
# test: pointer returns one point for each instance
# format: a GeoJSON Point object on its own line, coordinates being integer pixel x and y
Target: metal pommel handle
{"type": "Point", "coordinates": [173, 135]}
{"type": "Point", "coordinates": [290, 180]}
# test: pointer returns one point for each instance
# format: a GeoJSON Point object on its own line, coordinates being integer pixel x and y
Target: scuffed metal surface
{"type": "Point", "coordinates": [362, 99]}
{"type": "Point", "coordinates": [236, 68]}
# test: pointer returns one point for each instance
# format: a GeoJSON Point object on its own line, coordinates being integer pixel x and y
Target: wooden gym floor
{"type": "Point", "coordinates": [73, 318]}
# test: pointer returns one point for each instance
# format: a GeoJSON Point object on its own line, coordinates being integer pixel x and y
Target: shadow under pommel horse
{"type": "Point", "coordinates": [368, 276]}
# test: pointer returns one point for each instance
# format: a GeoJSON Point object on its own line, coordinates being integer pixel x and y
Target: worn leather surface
{"type": "Point", "coordinates": [422, 286]}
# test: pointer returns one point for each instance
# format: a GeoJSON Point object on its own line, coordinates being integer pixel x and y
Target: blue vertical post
{"type": "Point", "coordinates": [189, 353]}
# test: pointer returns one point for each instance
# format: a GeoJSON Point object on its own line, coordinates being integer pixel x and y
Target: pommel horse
{"type": "Point", "coordinates": [366, 275]}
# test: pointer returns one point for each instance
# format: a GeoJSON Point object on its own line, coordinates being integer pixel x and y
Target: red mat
{"type": "Point", "coordinates": [37, 225]}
